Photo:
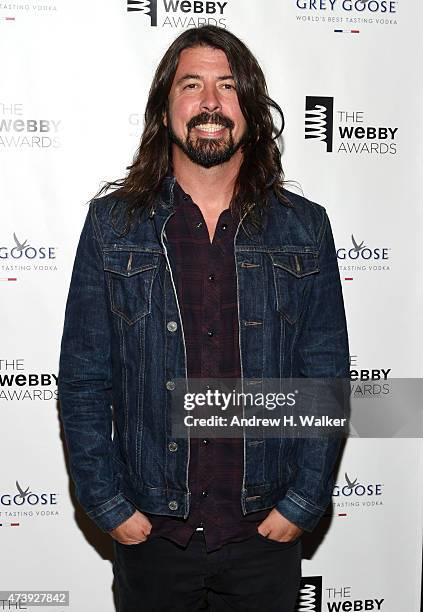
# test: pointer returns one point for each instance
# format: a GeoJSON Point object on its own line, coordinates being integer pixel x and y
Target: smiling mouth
{"type": "Point", "coordinates": [210, 128]}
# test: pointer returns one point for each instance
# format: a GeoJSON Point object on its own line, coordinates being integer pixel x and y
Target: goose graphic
{"type": "Point", "coordinates": [20, 245]}
{"type": "Point", "coordinates": [357, 247]}
{"type": "Point", "coordinates": [351, 484]}
{"type": "Point", "coordinates": [23, 493]}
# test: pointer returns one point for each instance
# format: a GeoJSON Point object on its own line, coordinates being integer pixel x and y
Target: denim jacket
{"type": "Point", "coordinates": [123, 345]}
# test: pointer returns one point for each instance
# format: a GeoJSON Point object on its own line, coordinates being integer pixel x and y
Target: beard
{"type": "Point", "coordinates": [208, 152]}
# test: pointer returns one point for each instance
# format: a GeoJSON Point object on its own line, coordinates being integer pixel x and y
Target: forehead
{"type": "Point", "coordinates": [202, 60]}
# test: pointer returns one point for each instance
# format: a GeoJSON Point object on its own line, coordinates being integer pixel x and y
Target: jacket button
{"type": "Point", "coordinates": [173, 505]}
{"type": "Point", "coordinates": [172, 326]}
{"type": "Point", "coordinates": [172, 446]}
{"type": "Point", "coordinates": [204, 493]}
{"type": "Point", "coordinates": [170, 385]}
{"type": "Point", "coordinates": [210, 333]}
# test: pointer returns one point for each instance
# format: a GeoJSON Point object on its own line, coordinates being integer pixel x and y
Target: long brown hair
{"type": "Point", "coordinates": [261, 166]}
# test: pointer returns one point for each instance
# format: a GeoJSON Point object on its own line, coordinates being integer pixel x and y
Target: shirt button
{"type": "Point", "coordinates": [173, 505]}
{"type": "Point", "coordinates": [172, 326]}
{"type": "Point", "coordinates": [204, 493]}
{"type": "Point", "coordinates": [173, 446]}
{"type": "Point", "coordinates": [211, 277]}
{"type": "Point", "coordinates": [170, 385]}
{"type": "Point", "coordinates": [210, 332]}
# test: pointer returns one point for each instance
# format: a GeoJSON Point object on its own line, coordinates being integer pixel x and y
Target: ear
{"type": "Point", "coordinates": [164, 118]}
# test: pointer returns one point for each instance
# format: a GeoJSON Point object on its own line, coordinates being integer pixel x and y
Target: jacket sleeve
{"type": "Point", "coordinates": [84, 385]}
{"type": "Point", "coordinates": [322, 352]}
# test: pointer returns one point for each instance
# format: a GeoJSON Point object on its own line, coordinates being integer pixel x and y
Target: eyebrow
{"type": "Point", "coordinates": [186, 77]}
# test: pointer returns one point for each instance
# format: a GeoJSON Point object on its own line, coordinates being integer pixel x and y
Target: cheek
{"type": "Point", "coordinates": [241, 124]}
{"type": "Point", "coordinates": [238, 118]}
{"type": "Point", "coordinates": [180, 117]}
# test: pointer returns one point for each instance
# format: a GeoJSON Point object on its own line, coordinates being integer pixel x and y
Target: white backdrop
{"type": "Point", "coordinates": [73, 84]}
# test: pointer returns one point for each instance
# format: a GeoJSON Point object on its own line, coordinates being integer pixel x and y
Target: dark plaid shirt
{"type": "Point", "coordinates": [205, 279]}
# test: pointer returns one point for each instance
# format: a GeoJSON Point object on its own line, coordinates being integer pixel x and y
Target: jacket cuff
{"type": "Point", "coordinates": [112, 513]}
{"type": "Point", "coordinates": [299, 511]}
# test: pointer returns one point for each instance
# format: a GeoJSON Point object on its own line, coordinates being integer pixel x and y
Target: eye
{"type": "Point", "coordinates": [190, 85]}
{"type": "Point", "coordinates": [228, 85]}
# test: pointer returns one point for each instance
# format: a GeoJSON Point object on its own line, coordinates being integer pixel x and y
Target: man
{"type": "Point", "coordinates": [200, 265]}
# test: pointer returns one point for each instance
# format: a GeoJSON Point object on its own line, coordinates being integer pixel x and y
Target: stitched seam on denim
{"type": "Point", "coordinates": [275, 285]}
{"type": "Point", "coordinates": [95, 224]}
{"type": "Point", "coordinates": [281, 371]}
{"type": "Point", "coordinates": [322, 214]}
{"type": "Point", "coordinates": [106, 507]}
{"type": "Point", "coordinates": [116, 310]}
{"type": "Point", "coordinates": [294, 497]}
{"type": "Point", "coordinates": [140, 399]}
{"type": "Point", "coordinates": [265, 291]}
{"type": "Point", "coordinates": [323, 230]}
{"type": "Point", "coordinates": [125, 383]}
{"type": "Point", "coordinates": [304, 508]}
{"type": "Point", "coordinates": [165, 304]}
{"type": "Point", "coordinates": [286, 248]}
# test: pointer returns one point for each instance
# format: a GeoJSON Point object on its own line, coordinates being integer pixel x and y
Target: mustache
{"type": "Point", "coordinates": [214, 118]}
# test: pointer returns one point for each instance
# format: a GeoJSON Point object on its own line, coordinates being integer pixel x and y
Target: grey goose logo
{"type": "Point", "coordinates": [26, 498]}
{"type": "Point", "coordinates": [23, 250]}
{"type": "Point", "coordinates": [147, 7]}
{"type": "Point", "coordinates": [20, 246]}
{"type": "Point", "coordinates": [357, 247]}
{"type": "Point", "coordinates": [353, 487]}
{"type": "Point", "coordinates": [350, 484]}
{"type": "Point", "coordinates": [22, 494]}
{"type": "Point", "coordinates": [310, 595]}
{"type": "Point", "coordinates": [319, 120]}
{"type": "Point", "coordinates": [360, 251]}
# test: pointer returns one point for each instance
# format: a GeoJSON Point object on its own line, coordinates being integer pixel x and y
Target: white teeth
{"type": "Point", "coordinates": [210, 127]}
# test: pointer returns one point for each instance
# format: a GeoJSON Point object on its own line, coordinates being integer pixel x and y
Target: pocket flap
{"type": "Point", "coordinates": [128, 263]}
{"type": "Point", "coordinates": [298, 264]}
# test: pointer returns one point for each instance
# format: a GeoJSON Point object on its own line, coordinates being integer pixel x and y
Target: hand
{"type": "Point", "coordinates": [276, 527]}
{"type": "Point", "coordinates": [134, 530]}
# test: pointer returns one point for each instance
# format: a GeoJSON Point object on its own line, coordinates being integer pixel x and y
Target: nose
{"type": "Point", "coordinates": [210, 101]}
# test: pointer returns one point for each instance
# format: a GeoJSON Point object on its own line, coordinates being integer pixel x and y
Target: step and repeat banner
{"type": "Point", "coordinates": [74, 78]}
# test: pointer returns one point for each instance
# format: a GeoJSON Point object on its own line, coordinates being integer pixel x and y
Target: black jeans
{"type": "Point", "coordinates": [253, 575]}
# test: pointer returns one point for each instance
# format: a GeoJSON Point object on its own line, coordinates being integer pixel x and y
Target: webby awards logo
{"type": "Point", "coordinates": [18, 383]}
{"type": "Point", "coordinates": [346, 131]}
{"type": "Point", "coordinates": [178, 13]}
{"type": "Point", "coordinates": [313, 596]}
{"type": "Point", "coordinates": [309, 597]}
{"type": "Point", "coordinates": [22, 130]}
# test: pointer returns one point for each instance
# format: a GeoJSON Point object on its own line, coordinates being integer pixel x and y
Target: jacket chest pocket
{"type": "Point", "coordinates": [130, 275]}
{"type": "Point", "coordinates": [291, 273]}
